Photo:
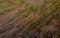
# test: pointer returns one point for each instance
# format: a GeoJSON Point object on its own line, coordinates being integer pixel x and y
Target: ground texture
{"type": "Point", "coordinates": [29, 18]}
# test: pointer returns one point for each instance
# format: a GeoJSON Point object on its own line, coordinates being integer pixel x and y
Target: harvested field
{"type": "Point", "coordinates": [29, 18]}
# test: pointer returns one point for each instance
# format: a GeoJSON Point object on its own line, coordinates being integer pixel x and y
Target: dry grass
{"type": "Point", "coordinates": [29, 18]}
